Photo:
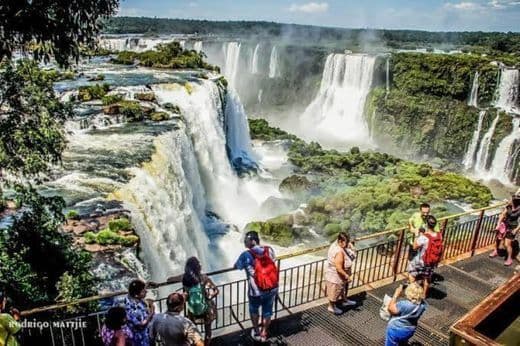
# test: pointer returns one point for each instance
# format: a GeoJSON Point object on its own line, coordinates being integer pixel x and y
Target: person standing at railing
{"type": "Point", "coordinates": [200, 290]}
{"type": "Point", "coordinates": [338, 273]}
{"type": "Point", "coordinates": [262, 276]}
{"type": "Point", "coordinates": [507, 228]}
{"type": "Point", "coordinates": [405, 314]}
{"type": "Point", "coordinates": [173, 329]}
{"type": "Point", "coordinates": [137, 313]}
{"type": "Point", "coordinates": [416, 222]}
{"type": "Point", "coordinates": [428, 246]}
{"type": "Point", "coordinates": [115, 332]}
{"type": "Point", "coordinates": [9, 324]}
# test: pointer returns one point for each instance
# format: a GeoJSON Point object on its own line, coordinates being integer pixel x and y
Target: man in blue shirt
{"type": "Point", "coordinates": [257, 297]}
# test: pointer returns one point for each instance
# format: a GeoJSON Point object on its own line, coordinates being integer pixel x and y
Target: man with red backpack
{"type": "Point", "coordinates": [429, 253]}
{"type": "Point", "coordinates": [262, 276]}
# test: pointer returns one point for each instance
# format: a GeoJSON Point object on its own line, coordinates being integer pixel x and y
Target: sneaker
{"type": "Point", "coordinates": [347, 303]}
{"type": "Point", "coordinates": [508, 262]}
{"type": "Point", "coordinates": [255, 336]}
{"type": "Point", "coordinates": [493, 254]}
{"type": "Point", "coordinates": [335, 310]}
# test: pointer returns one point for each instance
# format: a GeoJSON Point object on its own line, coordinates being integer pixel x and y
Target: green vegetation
{"type": "Point", "coordinates": [159, 116]}
{"type": "Point", "coordinates": [363, 191]}
{"type": "Point", "coordinates": [150, 97]}
{"type": "Point", "coordinates": [111, 99]}
{"type": "Point", "coordinates": [444, 75]}
{"type": "Point", "coordinates": [170, 55]}
{"type": "Point", "coordinates": [132, 110]}
{"type": "Point", "coordinates": [108, 237]}
{"type": "Point", "coordinates": [260, 129]}
{"type": "Point", "coordinates": [72, 215]}
{"type": "Point", "coordinates": [92, 92]}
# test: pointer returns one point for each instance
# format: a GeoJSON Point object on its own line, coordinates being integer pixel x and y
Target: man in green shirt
{"type": "Point", "coordinates": [8, 324]}
{"type": "Point", "coordinates": [417, 221]}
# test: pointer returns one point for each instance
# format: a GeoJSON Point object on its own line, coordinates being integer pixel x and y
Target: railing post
{"type": "Point", "coordinates": [398, 252]}
{"type": "Point", "coordinates": [477, 233]}
{"type": "Point", "coordinates": [278, 262]}
{"type": "Point", "coordinates": [443, 227]}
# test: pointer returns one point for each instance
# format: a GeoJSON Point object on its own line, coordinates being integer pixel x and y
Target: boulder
{"type": "Point", "coordinates": [145, 96]}
{"type": "Point", "coordinates": [295, 184]}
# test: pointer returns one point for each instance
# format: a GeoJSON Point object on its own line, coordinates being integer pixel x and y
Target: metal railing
{"type": "Point", "coordinates": [385, 258]}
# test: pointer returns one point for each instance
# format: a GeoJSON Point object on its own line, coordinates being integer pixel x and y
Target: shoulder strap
{"type": "Point", "coordinates": [409, 314]}
{"type": "Point", "coordinates": [255, 256]}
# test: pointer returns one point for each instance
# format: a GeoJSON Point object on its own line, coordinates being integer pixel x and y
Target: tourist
{"type": "Point", "coordinates": [507, 228]}
{"type": "Point", "coordinates": [262, 276]}
{"type": "Point", "coordinates": [428, 247]}
{"type": "Point", "coordinates": [417, 221]}
{"type": "Point", "coordinates": [337, 275]}
{"type": "Point", "coordinates": [405, 314]}
{"type": "Point", "coordinates": [173, 329]}
{"type": "Point", "coordinates": [115, 332]}
{"type": "Point", "coordinates": [9, 324]}
{"type": "Point", "coordinates": [200, 292]}
{"type": "Point", "coordinates": [137, 313]}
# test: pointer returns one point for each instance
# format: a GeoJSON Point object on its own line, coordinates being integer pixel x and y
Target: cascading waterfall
{"type": "Point", "coordinates": [182, 44]}
{"type": "Point", "coordinates": [197, 46]}
{"type": "Point", "coordinates": [254, 61]}
{"type": "Point", "coordinates": [387, 75]}
{"type": "Point", "coordinates": [167, 201]}
{"type": "Point", "coordinates": [336, 114]}
{"type": "Point", "coordinates": [473, 97]}
{"type": "Point", "coordinates": [508, 90]}
{"type": "Point", "coordinates": [237, 133]}
{"type": "Point", "coordinates": [483, 152]}
{"type": "Point", "coordinates": [273, 64]}
{"type": "Point", "coordinates": [469, 158]}
{"type": "Point", "coordinates": [502, 168]}
{"type": "Point", "coordinates": [228, 195]}
{"type": "Point", "coordinates": [232, 58]}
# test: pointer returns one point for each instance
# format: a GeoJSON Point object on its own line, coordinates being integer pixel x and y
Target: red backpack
{"type": "Point", "coordinates": [433, 254]}
{"type": "Point", "coordinates": [266, 273]}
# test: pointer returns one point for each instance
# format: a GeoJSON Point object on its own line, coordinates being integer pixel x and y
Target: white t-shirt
{"type": "Point", "coordinates": [422, 241]}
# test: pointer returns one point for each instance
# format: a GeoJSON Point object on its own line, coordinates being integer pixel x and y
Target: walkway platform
{"type": "Point", "coordinates": [458, 288]}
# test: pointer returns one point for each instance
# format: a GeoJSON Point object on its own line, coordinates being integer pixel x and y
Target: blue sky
{"type": "Point", "coordinates": [485, 15]}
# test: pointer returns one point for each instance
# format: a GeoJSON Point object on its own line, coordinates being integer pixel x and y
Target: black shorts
{"type": "Point", "coordinates": [509, 235]}
{"type": "Point", "coordinates": [411, 253]}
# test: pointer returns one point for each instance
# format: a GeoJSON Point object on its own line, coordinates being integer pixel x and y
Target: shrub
{"type": "Point", "coordinates": [121, 224]}
{"type": "Point", "coordinates": [111, 99]}
{"type": "Point", "coordinates": [90, 238]}
{"type": "Point", "coordinates": [159, 116]}
{"type": "Point", "coordinates": [92, 92]}
{"type": "Point", "coordinates": [131, 110]}
{"type": "Point", "coordinates": [72, 214]}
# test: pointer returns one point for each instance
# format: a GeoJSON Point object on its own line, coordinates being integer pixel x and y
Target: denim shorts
{"type": "Point", "coordinates": [266, 301]}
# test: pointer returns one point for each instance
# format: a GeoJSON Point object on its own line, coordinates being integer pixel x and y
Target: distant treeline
{"type": "Point", "coordinates": [493, 41]}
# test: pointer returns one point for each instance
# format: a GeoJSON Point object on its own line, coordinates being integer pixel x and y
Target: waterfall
{"type": "Point", "coordinates": [473, 97]}
{"type": "Point", "coordinates": [182, 44]}
{"type": "Point", "coordinates": [254, 61]}
{"type": "Point", "coordinates": [469, 158]}
{"type": "Point", "coordinates": [273, 64]}
{"type": "Point", "coordinates": [260, 94]}
{"type": "Point", "coordinates": [167, 201]}
{"type": "Point", "coordinates": [387, 75]}
{"type": "Point", "coordinates": [483, 152]}
{"type": "Point", "coordinates": [237, 133]}
{"type": "Point", "coordinates": [203, 112]}
{"type": "Point", "coordinates": [508, 90]}
{"type": "Point", "coordinates": [502, 167]}
{"type": "Point", "coordinates": [232, 58]}
{"type": "Point", "coordinates": [336, 114]}
{"type": "Point", "coordinates": [197, 46]}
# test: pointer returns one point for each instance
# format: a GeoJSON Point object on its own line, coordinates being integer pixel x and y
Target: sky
{"type": "Point", "coordinates": [433, 15]}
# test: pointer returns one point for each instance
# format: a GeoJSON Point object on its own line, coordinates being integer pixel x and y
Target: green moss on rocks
{"type": "Point", "coordinates": [92, 92]}
{"type": "Point", "coordinates": [159, 116]}
{"type": "Point", "coordinates": [149, 97]}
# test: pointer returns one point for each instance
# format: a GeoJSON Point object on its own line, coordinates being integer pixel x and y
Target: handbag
{"type": "Point", "coordinates": [383, 311]}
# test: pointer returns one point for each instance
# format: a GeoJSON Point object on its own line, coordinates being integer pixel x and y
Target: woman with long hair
{"type": "Point", "coordinates": [200, 292]}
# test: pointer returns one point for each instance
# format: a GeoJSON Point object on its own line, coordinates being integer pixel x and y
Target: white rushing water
{"type": "Point", "coordinates": [473, 97]}
{"type": "Point", "coordinates": [274, 70]}
{"type": "Point", "coordinates": [231, 58]}
{"type": "Point", "coordinates": [197, 46]}
{"type": "Point", "coordinates": [336, 114]}
{"type": "Point", "coordinates": [483, 152]}
{"type": "Point", "coordinates": [469, 158]}
{"type": "Point", "coordinates": [167, 201]}
{"type": "Point", "coordinates": [254, 60]}
{"type": "Point", "coordinates": [387, 75]}
{"type": "Point", "coordinates": [508, 90]}
{"type": "Point", "coordinates": [502, 166]}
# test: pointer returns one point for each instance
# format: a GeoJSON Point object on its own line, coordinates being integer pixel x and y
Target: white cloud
{"type": "Point", "coordinates": [501, 4]}
{"type": "Point", "coordinates": [464, 6]}
{"type": "Point", "coordinates": [311, 7]}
